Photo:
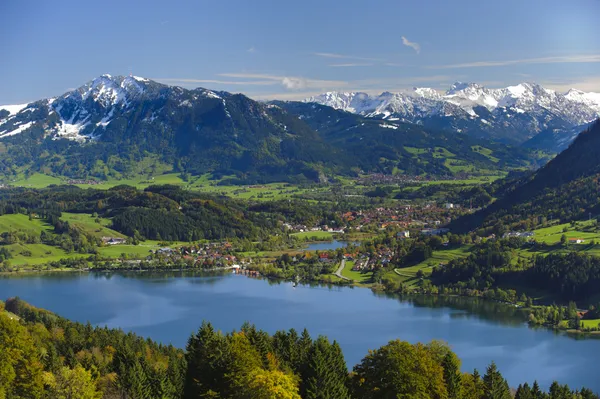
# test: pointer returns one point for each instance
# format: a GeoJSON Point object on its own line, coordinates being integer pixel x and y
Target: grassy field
{"type": "Point", "coordinates": [442, 256]}
{"type": "Point", "coordinates": [592, 323]}
{"type": "Point", "coordinates": [40, 254]}
{"type": "Point", "coordinates": [36, 180]}
{"type": "Point", "coordinates": [88, 224]}
{"type": "Point", "coordinates": [314, 236]}
{"type": "Point", "coordinates": [358, 277]}
{"type": "Point", "coordinates": [584, 230]}
{"type": "Point", "coordinates": [19, 222]}
{"type": "Point", "coordinates": [485, 152]}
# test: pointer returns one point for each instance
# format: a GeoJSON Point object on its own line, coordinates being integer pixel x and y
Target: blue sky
{"type": "Point", "coordinates": [290, 50]}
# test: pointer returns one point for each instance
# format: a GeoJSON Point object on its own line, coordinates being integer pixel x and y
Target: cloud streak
{"type": "Point", "coordinates": [289, 82]}
{"type": "Point", "coordinates": [214, 81]}
{"type": "Point", "coordinates": [251, 50]}
{"type": "Point", "coordinates": [350, 65]}
{"type": "Point", "coordinates": [346, 57]}
{"type": "Point", "coordinates": [541, 60]}
{"type": "Point", "coordinates": [414, 45]}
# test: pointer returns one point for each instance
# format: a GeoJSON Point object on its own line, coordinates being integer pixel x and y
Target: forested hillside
{"type": "Point", "coordinates": [45, 356]}
{"type": "Point", "coordinates": [566, 189]}
{"type": "Point", "coordinates": [410, 148]}
{"type": "Point", "coordinates": [163, 212]}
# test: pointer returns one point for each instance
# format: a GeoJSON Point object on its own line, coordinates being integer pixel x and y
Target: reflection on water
{"type": "Point", "coordinates": [169, 306]}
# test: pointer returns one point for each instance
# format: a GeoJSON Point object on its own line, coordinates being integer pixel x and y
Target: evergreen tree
{"type": "Point", "coordinates": [536, 392]}
{"type": "Point", "coordinates": [494, 385]}
{"type": "Point", "coordinates": [207, 354]}
{"type": "Point", "coordinates": [326, 375]}
{"type": "Point", "coordinates": [524, 392]}
{"type": "Point", "coordinates": [452, 375]}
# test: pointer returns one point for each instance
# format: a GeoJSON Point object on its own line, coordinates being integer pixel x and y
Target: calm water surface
{"type": "Point", "coordinates": [169, 307]}
{"type": "Point", "coordinates": [328, 245]}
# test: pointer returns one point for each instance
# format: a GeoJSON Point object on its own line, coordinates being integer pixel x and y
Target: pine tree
{"type": "Point", "coordinates": [324, 378]}
{"type": "Point", "coordinates": [524, 392]}
{"type": "Point", "coordinates": [494, 385]}
{"type": "Point", "coordinates": [207, 357]}
{"type": "Point", "coordinates": [536, 392]}
{"type": "Point", "coordinates": [452, 375]}
{"type": "Point", "coordinates": [478, 383]}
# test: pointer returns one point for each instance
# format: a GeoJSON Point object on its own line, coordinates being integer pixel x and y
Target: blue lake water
{"type": "Point", "coordinates": [327, 245]}
{"type": "Point", "coordinates": [169, 307]}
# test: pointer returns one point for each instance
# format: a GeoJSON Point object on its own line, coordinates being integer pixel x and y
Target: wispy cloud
{"type": "Point", "coordinates": [289, 82]}
{"type": "Point", "coordinates": [185, 81]}
{"type": "Point", "coordinates": [588, 83]}
{"type": "Point", "coordinates": [347, 57]}
{"type": "Point", "coordinates": [414, 45]}
{"type": "Point", "coordinates": [251, 50]}
{"type": "Point", "coordinates": [349, 65]}
{"type": "Point", "coordinates": [541, 60]}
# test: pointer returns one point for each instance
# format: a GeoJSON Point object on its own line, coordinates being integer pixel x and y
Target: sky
{"type": "Point", "coordinates": [269, 49]}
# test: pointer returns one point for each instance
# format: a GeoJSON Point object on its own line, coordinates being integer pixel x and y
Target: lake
{"type": "Point", "coordinates": [328, 245]}
{"type": "Point", "coordinates": [168, 307]}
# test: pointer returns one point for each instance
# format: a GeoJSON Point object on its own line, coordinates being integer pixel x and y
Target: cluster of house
{"type": "Point", "coordinates": [300, 228]}
{"type": "Point", "coordinates": [380, 178]}
{"type": "Point", "coordinates": [83, 181]}
{"type": "Point", "coordinates": [402, 216]}
{"type": "Point", "coordinates": [364, 261]}
{"type": "Point", "coordinates": [216, 254]}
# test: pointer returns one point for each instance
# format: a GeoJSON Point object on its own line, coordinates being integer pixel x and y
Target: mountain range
{"type": "Point", "coordinates": [515, 114]}
{"type": "Point", "coordinates": [114, 126]}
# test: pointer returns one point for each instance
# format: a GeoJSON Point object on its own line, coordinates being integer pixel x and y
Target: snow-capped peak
{"type": "Point", "coordinates": [523, 109]}
{"type": "Point", "coordinates": [589, 99]}
{"type": "Point", "coordinates": [13, 109]}
{"type": "Point", "coordinates": [461, 86]}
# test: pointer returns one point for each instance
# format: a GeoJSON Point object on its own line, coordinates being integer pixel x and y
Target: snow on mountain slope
{"type": "Point", "coordinates": [514, 114]}
{"type": "Point", "coordinates": [12, 109]}
{"type": "Point", "coordinates": [78, 114]}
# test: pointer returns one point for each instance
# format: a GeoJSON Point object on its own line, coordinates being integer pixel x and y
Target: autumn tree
{"type": "Point", "coordinates": [399, 369]}
{"type": "Point", "coordinates": [76, 383]}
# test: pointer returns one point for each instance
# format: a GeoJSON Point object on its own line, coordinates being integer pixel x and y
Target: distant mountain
{"type": "Point", "coordinates": [114, 126]}
{"type": "Point", "coordinates": [113, 123]}
{"type": "Point", "coordinates": [514, 114]}
{"type": "Point", "coordinates": [408, 147]}
{"type": "Point", "coordinates": [567, 188]}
